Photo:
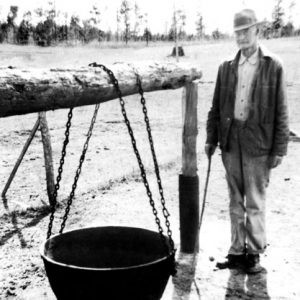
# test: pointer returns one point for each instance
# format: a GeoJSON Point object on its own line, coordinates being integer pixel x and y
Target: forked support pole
{"type": "Point", "coordinates": [46, 140]}
{"type": "Point", "coordinates": [20, 158]}
{"type": "Point", "coordinates": [188, 180]}
{"type": "Point", "coordinates": [42, 123]}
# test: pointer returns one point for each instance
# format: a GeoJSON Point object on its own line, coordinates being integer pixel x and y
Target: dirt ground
{"type": "Point", "coordinates": [110, 191]}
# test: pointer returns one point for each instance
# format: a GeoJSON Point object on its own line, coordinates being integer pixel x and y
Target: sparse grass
{"type": "Point", "coordinates": [164, 106]}
{"type": "Point", "coordinates": [109, 190]}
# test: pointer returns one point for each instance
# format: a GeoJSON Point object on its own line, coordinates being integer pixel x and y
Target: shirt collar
{"type": "Point", "coordinates": [252, 59]}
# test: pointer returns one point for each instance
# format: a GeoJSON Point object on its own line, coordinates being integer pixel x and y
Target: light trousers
{"type": "Point", "coordinates": [247, 177]}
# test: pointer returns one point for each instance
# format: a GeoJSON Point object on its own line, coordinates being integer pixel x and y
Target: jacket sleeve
{"type": "Point", "coordinates": [213, 119]}
{"type": "Point", "coordinates": [281, 126]}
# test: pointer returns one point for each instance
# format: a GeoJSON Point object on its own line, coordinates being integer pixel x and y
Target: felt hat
{"type": "Point", "coordinates": [246, 18]}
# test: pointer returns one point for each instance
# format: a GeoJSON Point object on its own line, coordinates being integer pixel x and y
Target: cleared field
{"type": "Point", "coordinates": [110, 191]}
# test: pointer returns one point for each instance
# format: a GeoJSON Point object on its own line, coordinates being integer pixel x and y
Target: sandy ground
{"type": "Point", "coordinates": [110, 191]}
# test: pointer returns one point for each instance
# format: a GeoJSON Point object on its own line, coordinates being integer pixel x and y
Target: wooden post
{"type": "Point", "coordinates": [190, 129]}
{"type": "Point", "coordinates": [188, 180]}
{"type": "Point", "coordinates": [15, 169]}
{"type": "Point", "coordinates": [46, 140]}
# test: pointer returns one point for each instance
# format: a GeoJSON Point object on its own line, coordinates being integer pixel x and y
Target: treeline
{"type": "Point", "coordinates": [278, 27]}
{"type": "Point", "coordinates": [272, 30]}
{"type": "Point", "coordinates": [54, 27]}
{"type": "Point", "coordinates": [131, 25]}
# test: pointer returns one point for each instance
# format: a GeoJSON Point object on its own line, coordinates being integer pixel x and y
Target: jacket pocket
{"type": "Point", "coordinates": [258, 138]}
{"type": "Point", "coordinates": [266, 132]}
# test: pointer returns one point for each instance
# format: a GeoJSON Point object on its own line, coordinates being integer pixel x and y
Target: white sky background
{"type": "Point", "coordinates": [216, 13]}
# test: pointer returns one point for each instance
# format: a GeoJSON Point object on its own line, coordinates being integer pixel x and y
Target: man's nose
{"type": "Point", "coordinates": [241, 35]}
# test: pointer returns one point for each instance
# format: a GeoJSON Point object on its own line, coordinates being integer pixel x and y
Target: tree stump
{"type": "Point", "coordinates": [180, 51]}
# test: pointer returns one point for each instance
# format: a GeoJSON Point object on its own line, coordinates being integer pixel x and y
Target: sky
{"type": "Point", "coordinates": [216, 13]}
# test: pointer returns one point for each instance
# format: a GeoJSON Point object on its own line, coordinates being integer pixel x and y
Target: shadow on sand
{"type": "Point", "coordinates": [243, 286]}
{"type": "Point", "coordinates": [13, 216]}
{"type": "Point", "coordinates": [185, 278]}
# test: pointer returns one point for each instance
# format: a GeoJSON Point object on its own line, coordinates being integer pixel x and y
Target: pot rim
{"type": "Point", "coordinates": [52, 261]}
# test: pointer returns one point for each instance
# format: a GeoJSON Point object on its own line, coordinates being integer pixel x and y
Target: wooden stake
{"type": "Point", "coordinates": [26, 146]}
{"type": "Point", "coordinates": [46, 140]}
{"type": "Point", "coordinates": [188, 180]}
{"type": "Point", "coordinates": [190, 129]}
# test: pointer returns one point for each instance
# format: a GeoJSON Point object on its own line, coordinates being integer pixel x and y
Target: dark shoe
{"type": "Point", "coordinates": [253, 265]}
{"type": "Point", "coordinates": [232, 262]}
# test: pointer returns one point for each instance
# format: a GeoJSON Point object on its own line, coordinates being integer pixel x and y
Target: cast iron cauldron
{"type": "Point", "coordinates": [109, 263]}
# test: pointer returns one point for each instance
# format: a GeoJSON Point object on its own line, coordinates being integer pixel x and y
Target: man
{"type": "Point", "coordinates": [249, 120]}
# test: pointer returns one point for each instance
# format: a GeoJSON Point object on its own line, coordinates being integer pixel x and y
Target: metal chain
{"type": "Point", "coordinates": [137, 154]}
{"type": "Point", "coordinates": [166, 213]}
{"type": "Point", "coordinates": [78, 171]}
{"type": "Point", "coordinates": [142, 169]}
{"type": "Point", "coordinates": [60, 171]}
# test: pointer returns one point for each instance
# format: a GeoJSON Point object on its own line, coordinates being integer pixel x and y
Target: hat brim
{"type": "Point", "coordinates": [237, 28]}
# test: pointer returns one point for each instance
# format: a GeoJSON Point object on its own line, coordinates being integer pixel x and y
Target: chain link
{"type": "Point", "coordinates": [78, 171]}
{"type": "Point", "coordinates": [60, 171]}
{"type": "Point", "coordinates": [137, 154]}
{"type": "Point", "coordinates": [166, 213]}
{"type": "Point", "coordinates": [140, 163]}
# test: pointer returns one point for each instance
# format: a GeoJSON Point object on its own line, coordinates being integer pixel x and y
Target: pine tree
{"type": "Point", "coordinates": [278, 13]}
{"type": "Point", "coordinates": [11, 28]}
{"type": "Point", "coordinates": [125, 12]}
{"type": "Point", "coordinates": [118, 19]}
{"type": "Point", "coordinates": [137, 21]}
{"type": "Point", "coordinates": [199, 26]}
{"type": "Point", "coordinates": [25, 29]}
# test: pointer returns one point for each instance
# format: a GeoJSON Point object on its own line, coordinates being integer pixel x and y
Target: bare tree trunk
{"type": "Point", "coordinates": [46, 140]}
{"type": "Point", "coordinates": [36, 90]}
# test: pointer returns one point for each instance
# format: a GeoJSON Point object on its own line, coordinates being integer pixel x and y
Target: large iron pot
{"type": "Point", "coordinates": [109, 263]}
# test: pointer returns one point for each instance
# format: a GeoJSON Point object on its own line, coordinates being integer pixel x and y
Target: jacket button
{"type": "Point", "coordinates": [228, 119]}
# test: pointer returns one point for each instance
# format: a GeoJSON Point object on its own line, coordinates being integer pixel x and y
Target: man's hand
{"type": "Point", "coordinates": [274, 161]}
{"type": "Point", "coordinates": [210, 149]}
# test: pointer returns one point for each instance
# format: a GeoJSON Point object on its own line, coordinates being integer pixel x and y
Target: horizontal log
{"type": "Point", "coordinates": [36, 90]}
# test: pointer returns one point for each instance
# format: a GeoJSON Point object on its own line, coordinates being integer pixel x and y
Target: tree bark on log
{"type": "Point", "coordinates": [36, 90]}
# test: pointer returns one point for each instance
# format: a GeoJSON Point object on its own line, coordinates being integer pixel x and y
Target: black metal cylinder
{"type": "Point", "coordinates": [189, 212]}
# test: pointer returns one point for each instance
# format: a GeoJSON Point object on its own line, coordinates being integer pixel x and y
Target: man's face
{"type": "Point", "coordinates": [246, 38]}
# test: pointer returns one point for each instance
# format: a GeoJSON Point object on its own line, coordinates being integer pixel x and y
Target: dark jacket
{"type": "Point", "coordinates": [266, 130]}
